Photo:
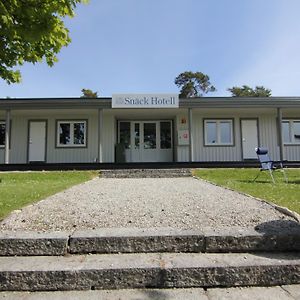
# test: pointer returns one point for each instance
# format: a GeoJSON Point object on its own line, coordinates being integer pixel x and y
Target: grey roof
{"type": "Point", "coordinates": [105, 103]}
{"type": "Point", "coordinates": [235, 102]}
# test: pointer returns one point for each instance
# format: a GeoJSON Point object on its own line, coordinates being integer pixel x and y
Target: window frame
{"type": "Point", "coordinates": [218, 132]}
{"type": "Point", "coordinates": [72, 122]}
{"type": "Point", "coordinates": [291, 131]}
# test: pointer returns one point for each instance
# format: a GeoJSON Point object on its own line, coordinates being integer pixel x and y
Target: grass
{"type": "Point", "coordinates": [280, 193]}
{"type": "Point", "coordinates": [20, 189]}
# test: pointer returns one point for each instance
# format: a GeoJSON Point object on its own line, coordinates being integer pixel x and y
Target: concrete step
{"type": "Point", "coordinates": [288, 292]}
{"type": "Point", "coordinates": [146, 173]}
{"type": "Point", "coordinates": [134, 240]}
{"type": "Point", "coordinates": [148, 270]}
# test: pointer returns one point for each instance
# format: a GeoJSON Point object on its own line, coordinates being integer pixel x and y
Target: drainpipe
{"type": "Point", "coordinates": [100, 135]}
{"type": "Point", "coordinates": [280, 138]}
{"type": "Point", "coordinates": [191, 145]}
{"type": "Point", "coordinates": [7, 141]}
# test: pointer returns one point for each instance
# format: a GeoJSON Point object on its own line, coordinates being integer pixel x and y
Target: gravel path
{"type": "Point", "coordinates": [185, 203]}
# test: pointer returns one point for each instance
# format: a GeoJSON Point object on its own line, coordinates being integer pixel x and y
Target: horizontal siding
{"type": "Point", "coordinates": [218, 153]}
{"type": "Point", "coordinates": [183, 153]}
{"type": "Point", "coordinates": [19, 139]}
{"type": "Point", "coordinates": [73, 155]}
{"type": "Point", "coordinates": [108, 141]}
{"type": "Point", "coordinates": [268, 135]}
{"type": "Point", "coordinates": [19, 136]}
{"type": "Point", "coordinates": [292, 153]}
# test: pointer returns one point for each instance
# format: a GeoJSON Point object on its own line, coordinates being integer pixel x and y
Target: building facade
{"type": "Point", "coordinates": [147, 128]}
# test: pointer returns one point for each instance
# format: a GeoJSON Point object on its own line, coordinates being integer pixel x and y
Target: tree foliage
{"type": "Point", "coordinates": [86, 93]}
{"type": "Point", "coordinates": [246, 91]}
{"type": "Point", "coordinates": [32, 30]}
{"type": "Point", "coordinates": [193, 84]}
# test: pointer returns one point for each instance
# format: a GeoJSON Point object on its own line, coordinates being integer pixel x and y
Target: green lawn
{"type": "Point", "coordinates": [20, 189]}
{"type": "Point", "coordinates": [281, 193]}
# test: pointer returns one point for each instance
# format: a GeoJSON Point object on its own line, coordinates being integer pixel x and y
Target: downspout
{"type": "Point", "coordinates": [7, 141]}
{"type": "Point", "coordinates": [280, 138]}
{"type": "Point", "coordinates": [191, 145]}
{"type": "Point", "coordinates": [100, 135]}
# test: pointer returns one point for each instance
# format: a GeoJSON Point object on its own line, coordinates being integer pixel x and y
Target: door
{"type": "Point", "coordinates": [249, 138]}
{"type": "Point", "coordinates": [146, 141]}
{"type": "Point", "coordinates": [37, 141]}
{"type": "Point", "coordinates": [149, 151]}
{"type": "Point", "coordinates": [136, 141]}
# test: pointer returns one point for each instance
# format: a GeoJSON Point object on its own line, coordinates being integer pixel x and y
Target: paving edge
{"type": "Point", "coordinates": [290, 292]}
{"type": "Point", "coordinates": [135, 240]}
{"type": "Point", "coordinates": [111, 271]}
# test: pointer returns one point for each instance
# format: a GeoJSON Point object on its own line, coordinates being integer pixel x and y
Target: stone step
{"type": "Point", "coordinates": [148, 270]}
{"type": "Point", "coordinates": [287, 292]}
{"type": "Point", "coordinates": [134, 240]}
{"type": "Point", "coordinates": [146, 173]}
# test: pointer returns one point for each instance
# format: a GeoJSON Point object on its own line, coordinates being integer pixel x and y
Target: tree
{"type": "Point", "coordinates": [32, 30]}
{"type": "Point", "coordinates": [193, 84]}
{"type": "Point", "coordinates": [246, 91]}
{"type": "Point", "coordinates": [86, 93]}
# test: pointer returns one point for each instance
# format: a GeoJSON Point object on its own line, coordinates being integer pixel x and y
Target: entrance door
{"type": "Point", "coordinates": [249, 138]}
{"type": "Point", "coordinates": [146, 141]}
{"type": "Point", "coordinates": [37, 141]}
{"type": "Point", "coordinates": [150, 145]}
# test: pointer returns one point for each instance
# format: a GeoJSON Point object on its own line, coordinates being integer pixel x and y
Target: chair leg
{"type": "Point", "coordinates": [256, 176]}
{"type": "Point", "coordinates": [271, 174]}
{"type": "Point", "coordinates": [285, 176]}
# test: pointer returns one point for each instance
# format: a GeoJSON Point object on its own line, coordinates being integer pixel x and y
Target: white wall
{"type": "Point", "coordinates": [109, 135]}
{"type": "Point", "coordinates": [215, 153]}
{"type": "Point", "coordinates": [19, 136]}
{"type": "Point", "coordinates": [266, 120]}
{"type": "Point", "coordinates": [267, 135]}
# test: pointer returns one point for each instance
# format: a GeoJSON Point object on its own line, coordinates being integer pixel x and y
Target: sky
{"type": "Point", "coordinates": [140, 46]}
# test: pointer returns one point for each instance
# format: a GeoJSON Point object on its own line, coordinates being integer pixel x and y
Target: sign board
{"type": "Point", "coordinates": [183, 137]}
{"type": "Point", "coordinates": [145, 101]}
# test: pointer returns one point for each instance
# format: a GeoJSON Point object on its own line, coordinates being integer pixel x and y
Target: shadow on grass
{"type": "Point", "coordinates": [256, 181]}
{"type": "Point", "coordinates": [294, 181]}
{"type": "Point", "coordinates": [270, 181]}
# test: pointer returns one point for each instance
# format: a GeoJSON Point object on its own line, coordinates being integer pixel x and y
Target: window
{"type": "Point", "coordinates": [291, 131]}
{"type": "Point", "coordinates": [218, 132]}
{"type": "Point", "coordinates": [124, 134]}
{"type": "Point", "coordinates": [149, 135]}
{"type": "Point", "coordinates": [2, 134]}
{"type": "Point", "coordinates": [165, 135]}
{"type": "Point", "coordinates": [71, 134]}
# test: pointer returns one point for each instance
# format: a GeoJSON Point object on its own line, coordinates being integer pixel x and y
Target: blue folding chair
{"type": "Point", "coordinates": [266, 164]}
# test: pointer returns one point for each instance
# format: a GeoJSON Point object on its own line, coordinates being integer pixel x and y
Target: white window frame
{"type": "Point", "coordinates": [291, 131]}
{"type": "Point", "coordinates": [218, 142]}
{"type": "Point", "coordinates": [3, 123]}
{"type": "Point", "coordinates": [71, 145]}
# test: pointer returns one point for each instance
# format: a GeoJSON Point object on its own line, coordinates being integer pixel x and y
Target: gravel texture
{"type": "Point", "coordinates": [185, 203]}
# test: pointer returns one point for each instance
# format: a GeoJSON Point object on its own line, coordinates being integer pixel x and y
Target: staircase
{"type": "Point", "coordinates": [146, 173]}
{"type": "Point", "coordinates": [148, 258]}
